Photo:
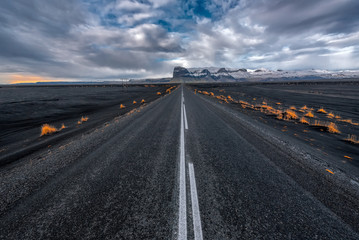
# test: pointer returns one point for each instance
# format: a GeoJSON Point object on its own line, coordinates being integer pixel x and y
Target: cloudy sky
{"type": "Point", "coordinates": [87, 40]}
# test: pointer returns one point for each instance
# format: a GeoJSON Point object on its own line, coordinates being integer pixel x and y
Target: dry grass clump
{"type": "Point", "coordinates": [268, 110]}
{"type": "Point", "coordinates": [352, 139]}
{"type": "Point", "coordinates": [211, 94]}
{"type": "Point", "coordinates": [170, 89]}
{"type": "Point", "coordinates": [278, 103]}
{"type": "Point", "coordinates": [289, 115]}
{"type": "Point", "coordinates": [245, 104]}
{"type": "Point", "coordinates": [330, 127]}
{"type": "Point", "coordinates": [303, 120]}
{"type": "Point", "coordinates": [47, 129]}
{"type": "Point", "coordinates": [62, 127]}
{"type": "Point", "coordinates": [122, 106]}
{"type": "Point", "coordinates": [83, 119]}
{"type": "Point", "coordinates": [230, 98]}
{"type": "Point", "coordinates": [321, 110]}
{"type": "Point", "coordinates": [303, 109]}
{"type": "Point", "coordinates": [143, 101]}
{"type": "Point", "coordinates": [158, 93]}
{"type": "Point", "coordinates": [330, 115]}
{"type": "Point", "coordinates": [292, 108]}
{"type": "Point", "coordinates": [349, 121]}
{"type": "Point", "coordinates": [222, 98]}
{"type": "Point", "coordinates": [134, 102]}
{"type": "Point", "coordinates": [309, 114]}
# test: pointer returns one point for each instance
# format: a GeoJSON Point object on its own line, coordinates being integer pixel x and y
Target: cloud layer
{"type": "Point", "coordinates": [88, 40]}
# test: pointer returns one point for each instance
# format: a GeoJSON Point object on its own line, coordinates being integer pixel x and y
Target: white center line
{"type": "Point", "coordinates": [197, 227]}
{"type": "Point", "coordinates": [185, 117]}
{"type": "Point", "coordinates": [182, 216]}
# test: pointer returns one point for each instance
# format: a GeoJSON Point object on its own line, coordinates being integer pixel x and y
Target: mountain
{"type": "Point", "coordinates": [213, 74]}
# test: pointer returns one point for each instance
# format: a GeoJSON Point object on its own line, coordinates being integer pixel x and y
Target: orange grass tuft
{"type": "Point", "coordinates": [278, 103]}
{"type": "Point", "coordinates": [352, 139]}
{"type": "Point", "coordinates": [347, 157]}
{"type": "Point", "coordinates": [330, 127]}
{"type": "Point", "coordinates": [268, 110]}
{"type": "Point", "coordinates": [244, 104]}
{"type": "Point", "coordinates": [122, 106]}
{"type": "Point", "coordinates": [349, 121]}
{"type": "Point", "coordinates": [134, 102]}
{"type": "Point", "coordinates": [158, 93]}
{"type": "Point", "coordinates": [62, 127]}
{"type": "Point", "coordinates": [321, 110]}
{"type": "Point", "coordinates": [83, 119]}
{"type": "Point", "coordinates": [309, 114]}
{"type": "Point", "coordinates": [304, 108]}
{"type": "Point", "coordinates": [47, 129]}
{"type": "Point", "coordinates": [143, 101]}
{"type": "Point", "coordinates": [292, 108]}
{"type": "Point", "coordinates": [330, 115]}
{"type": "Point", "coordinates": [289, 114]}
{"type": "Point", "coordinates": [304, 120]}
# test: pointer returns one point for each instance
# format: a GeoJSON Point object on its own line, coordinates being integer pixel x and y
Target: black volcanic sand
{"type": "Point", "coordinates": [340, 98]}
{"type": "Point", "coordinates": [24, 109]}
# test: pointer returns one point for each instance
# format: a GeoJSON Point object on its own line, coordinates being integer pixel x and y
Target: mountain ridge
{"type": "Point", "coordinates": [216, 74]}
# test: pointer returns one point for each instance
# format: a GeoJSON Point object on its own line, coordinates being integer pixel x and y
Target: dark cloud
{"type": "Point", "coordinates": [132, 38]}
{"type": "Point", "coordinates": [329, 16]}
{"type": "Point", "coordinates": [54, 18]}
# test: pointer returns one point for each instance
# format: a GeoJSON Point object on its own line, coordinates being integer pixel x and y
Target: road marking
{"type": "Point", "coordinates": [185, 117]}
{"type": "Point", "coordinates": [182, 215]}
{"type": "Point", "coordinates": [197, 227]}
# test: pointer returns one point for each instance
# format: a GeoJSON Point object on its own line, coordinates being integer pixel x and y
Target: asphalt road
{"type": "Point", "coordinates": [180, 168]}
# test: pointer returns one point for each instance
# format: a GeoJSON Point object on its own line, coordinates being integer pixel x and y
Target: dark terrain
{"type": "Point", "coordinates": [339, 98]}
{"type": "Point", "coordinates": [188, 165]}
{"type": "Point", "coordinates": [23, 110]}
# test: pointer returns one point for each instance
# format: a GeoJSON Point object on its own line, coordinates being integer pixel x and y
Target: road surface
{"type": "Point", "coordinates": [182, 167]}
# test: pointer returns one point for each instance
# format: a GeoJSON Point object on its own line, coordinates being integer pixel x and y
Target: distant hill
{"type": "Point", "coordinates": [213, 74]}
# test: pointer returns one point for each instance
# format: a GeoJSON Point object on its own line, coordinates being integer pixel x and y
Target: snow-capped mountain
{"type": "Point", "coordinates": [261, 74]}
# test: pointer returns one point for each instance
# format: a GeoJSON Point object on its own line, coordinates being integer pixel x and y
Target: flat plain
{"type": "Point", "coordinates": [207, 161]}
{"type": "Point", "coordinates": [24, 109]}
{"type": "Point", "coordinates": [268, 102]}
